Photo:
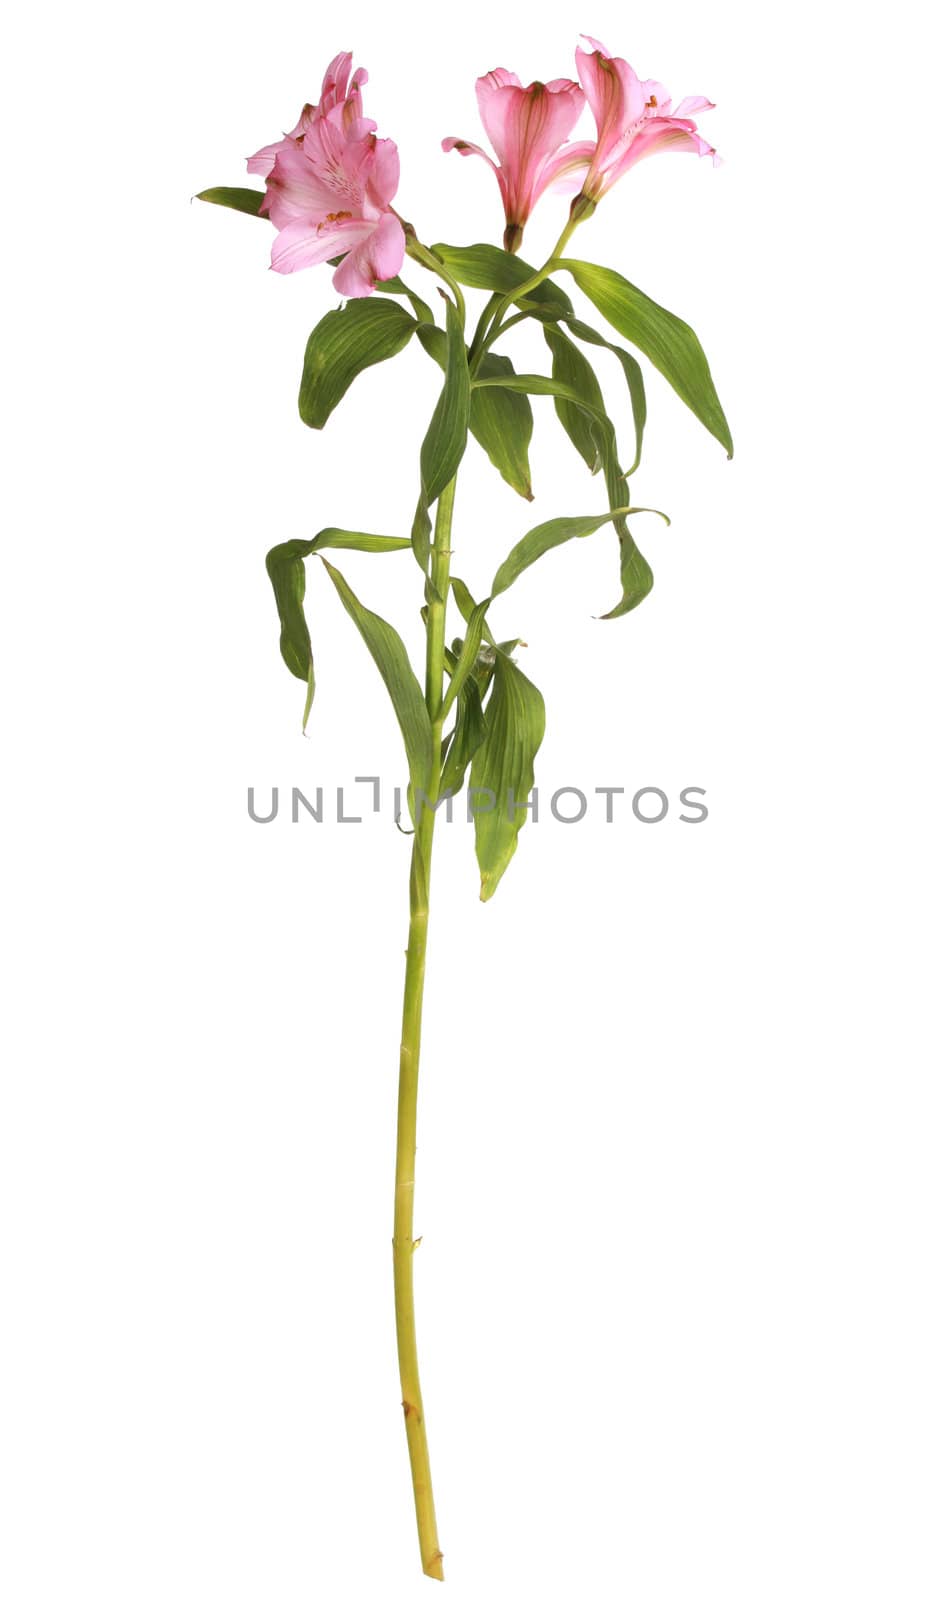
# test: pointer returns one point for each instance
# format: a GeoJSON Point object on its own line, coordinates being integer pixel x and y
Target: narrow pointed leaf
{"type": "Point", "coordinates": [344, 344]}
{"type": "Point", "coordinates": [571, 368]}
{"type": "Point", "coordinates": [670, 344]}
{"type": "Point", "coordinates": [466, 738]}
{"type": "Point", "coordinates": [248, 200]}
{"type": "Point", "coordinates": [633, 377]}
{"type": "Point", "coordinates": [514, 724]}
{"type": "Point", "coordinates": [634, 571]}
{"type": "Point", "coordinates": [288, 577]}
{"type": "Point", "coordinates": [467, 656]}
{"type": "Point", "coordinates": [502, 424]}
{"type": "Point", "coordinates": [484, 266]}
{"type": "Point", "coordinates": [501, 421]}
{"type": "Point", "coordinates": [635, 576]}
{"type": "Point", "coordinates": [390, 656]}
{"type": "Point", "coordinates": [547, 535]}
{"type": "Point", "coordinates": [444, 443]}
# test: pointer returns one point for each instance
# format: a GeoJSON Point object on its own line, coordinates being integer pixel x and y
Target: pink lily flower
{"type": "Point", "coordinates": [634, 118]}
{"type": "Point", "coordinates": [329, 195]}
{"type": "Point", "coordinates": [339, 97]}
{"type": "Point", "coordinates": [528, 128]}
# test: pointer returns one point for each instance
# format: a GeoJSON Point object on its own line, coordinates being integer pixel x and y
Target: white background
{"type": "Point", "coordinates": [681, 1153]}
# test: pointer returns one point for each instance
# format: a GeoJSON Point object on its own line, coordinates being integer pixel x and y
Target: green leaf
{"type": "Point", "coordinates": [484, 266]}
{"type": "Point", "coordinates": [466, 738]}
{"type": "Point", "coordinates": [547, 535]}
{"type": "Point", "coordinates": [571, 368]}
{"type": "Point", "coordinates": [467, 656]}
{"type": "Point", "coordinates": [248, 200]}
{"type": "Point", "coordinates": [420, 307]}
{"type": "Point", "coordinates": [502, 424]}
{"type": "Point", "coordinates": [635, 576]}
{"type": "Point", "coordinates": [345, 343]}
{"type": "Point", "coordinates": [633, 377]}
{"type": "Point", "coordinates": [446, 438]}
{"type": "Point", "coordinates": [501, 421]}
{"type": "Point", "coordinates": [670, 344]}
{"type": "Point", "coordinates": [288, 577]}
{"type": "Point", "coordinates": [445, 442]}
{"type": "Point", "coordinates": [390, 656]}
{"type": "Point", "coordinates": [634, 571]}
{"type": "Point", "coordinates": [514, 723]}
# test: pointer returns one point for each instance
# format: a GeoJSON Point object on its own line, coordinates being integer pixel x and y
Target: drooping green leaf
{"type": "Point", "coordinates": [248, 200]}
{"type": "Point", "coordinates": [634, 571]}
{"type": "Point", "coordinates": [635, 576]}
{"type": "Point", "coordinates": [514, 723]}
{"type": "Point", "coordinates": [547, 535]}
{"type": "Point", "coordinates": [390, 656]}
{"type": "Point", "coordinates": [467, 737]}
{"type": "Point", "coordinates": [633, 377]}
{"type": "Point", "coordinates": [346, 342]}
{"type": "Point", "coordinates": [467, 656]}
{"type": "Point", "coordinates": [571, 368]}
{"type": "Point", "coordinates": [670, 344]}
{"type": "Point", "coordinates": [484, 266]}
{"type": "Point", "coordinates": [288, 577]}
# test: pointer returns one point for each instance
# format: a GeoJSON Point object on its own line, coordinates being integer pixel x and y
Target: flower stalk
{"type": "Point", "coordinates": [404, 1243]}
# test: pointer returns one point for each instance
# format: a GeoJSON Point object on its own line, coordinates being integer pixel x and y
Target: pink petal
{"type": "Point", "coordinates": [262, 162]}
{"type": "Point", "coordinates": [564, 172]}
{"type": "Point", "coordinates": [383, 174]}
{"type": "Point", "coordinates": [464, 147]}
{"type": "Point", "coordinates": [306, 244]}
{"type": "Point", "coordinates": [614, 92]}
{"type": "Point", "coordinates": [298, 190]}
{"type": "Point", "coordinates": [378, 256]}
{"type": "Point", "coordinates": [335, 81]}
{"type": "Point", "coordinates": [660, 135]}
{"type": "Point", "coordinates": [691, 104]}
{"type": "Point", "coordinates": [493, 98]}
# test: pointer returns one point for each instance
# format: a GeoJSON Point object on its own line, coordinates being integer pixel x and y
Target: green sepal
{"type": "Point", "coordinates": [247, 200]}
{"type": "Point", "coordinates": [514, 722]}
{"type": "Point", "coordinates": [387, 650]}
{"type": "Point", "coordinates": [343, 344]}
{"type": "Point", "coordinates": [670, 344]}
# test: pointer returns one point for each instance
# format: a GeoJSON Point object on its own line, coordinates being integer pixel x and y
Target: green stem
{"type": "Point", "coordinates": [484, 336]}
{"type": "Point", "coordinates": [426, 258]}
{"type": "Point", "coordinates": [403, 1240]}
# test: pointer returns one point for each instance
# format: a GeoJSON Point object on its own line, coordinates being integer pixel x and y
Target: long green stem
{"type": "Point", "coordinates": [403, 1239]}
